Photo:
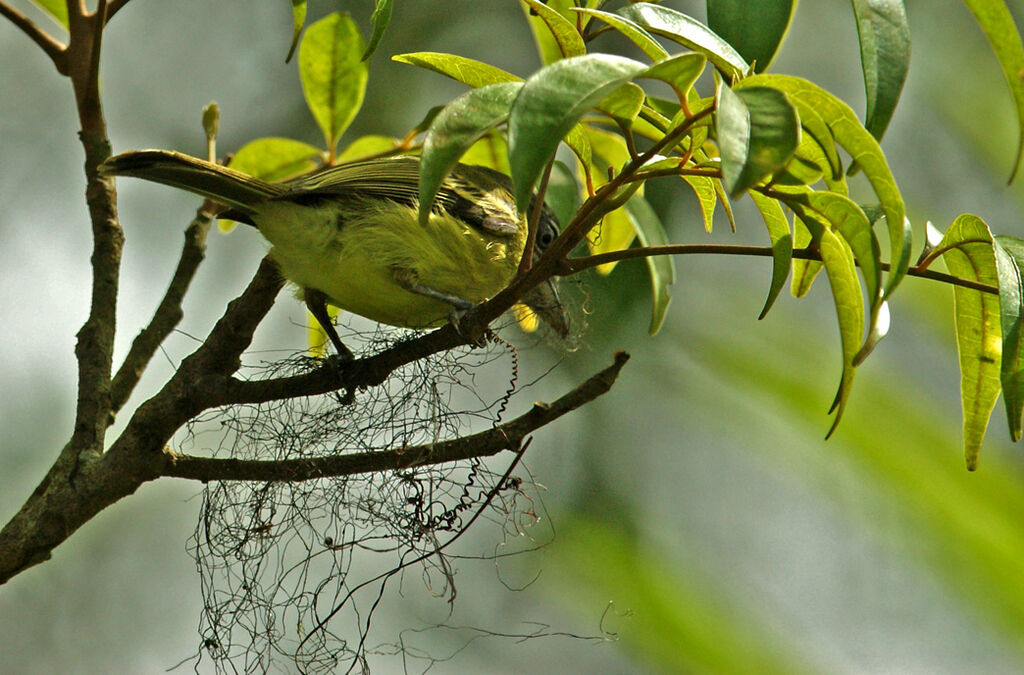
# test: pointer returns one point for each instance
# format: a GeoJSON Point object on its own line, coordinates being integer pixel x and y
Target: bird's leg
{"type": "Point", "coordinates": [406, 279]}
{"type": "Point", "coordinates": [316, 301]}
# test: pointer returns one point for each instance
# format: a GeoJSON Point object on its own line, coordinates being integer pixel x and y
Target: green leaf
{"type": "Point", "coordinates": [566, 37]}
{"type": "Point", "coordinates": [276, 159]}
{"type": "Point", "coordinates": [1009, 255]}
{"type": "Point", "coordinates": [850, 222]}
{"type": "Point", "coordinates": [689, 32]}
{"type": "Point", "coordinates": [804, 271]}
{"type": "Point", "coordinates": [367, 146]}
{"type": "Point", "coordinates": [755, 29]}
{"type": "Point", "coordinates": [273, 159]}
{"type": "Point", "coordinates": [680, 72]}
{"type": "Point", "coordinates": [615, 232]}
{"type": "Point", "coordinates": [333, 74]}
{"type": "Point", "coordinates": [57, 9]}
{"type": "Point", "coordinates": [641, 38]}
{"type": "Point", "coordinates": [723, 198]}
{"type": "Point", "coordinates": [624, 104]}
{"type": "Point", "coordinates": [782, 245]}
{"type": "Point", "coordinates": [885, 57]}
{"type": "Point", "coordinates": [997, 23]}
{"type": "Point", "coordinates": [863, 149]}
{"type": "Point", "coordinates": [966, 248]}
{"type": "Point", "coordinates": [814, 125]}
{"type": "Point", "coordinates": [491, 151]}
{"type": "Point", "coordinates": [457, 127]}
{"type": "Point", "coordinates": [299, 20]}
{"type": "Point", "coordinates": [380, 19]}
{"type": "Point", "coordinates": [758, 132]}
{"type": "Point", "coordinates": [704, 188]}
{"type": "Point", "coordinates": [550, 103]}
{"type": "Point", "coordinates": [838, 260]}
{"type": "Point", "coordinates": [562, 194]}
{"type": "Point", "coordinates": [468, 71]}
{"type": "Point", "coordinates": [650, 232]}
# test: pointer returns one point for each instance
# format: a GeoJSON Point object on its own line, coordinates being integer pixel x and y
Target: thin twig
{"type": "Point", "coordinates": [575, 265]}
{"type": "Point", "coordinates": [167, 315]}
{"type": "Point", "coordinates": [502, 437]}
{"type": "Point", "coordinates": [53, 48]}
{"type": "Point", "coordinates": [113, 7]}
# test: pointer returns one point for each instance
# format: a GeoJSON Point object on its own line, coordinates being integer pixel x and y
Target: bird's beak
{"type": "Point", "coordinates": [543, 300]}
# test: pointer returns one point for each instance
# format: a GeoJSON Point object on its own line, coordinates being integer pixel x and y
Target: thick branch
{"type": "Point", "coordinates": [575, 265]}
{"type": "Point", "coordinates": [54, 49]}
{"type": "Point", "coordinates": [60, 504]}
{"type": "Point", "coordinates": [507, 436]}
{"type": "Point", "coordinates": [168, 314]}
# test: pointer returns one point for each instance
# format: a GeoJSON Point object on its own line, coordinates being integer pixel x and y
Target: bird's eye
{"type": "Point", "coordinates": [545, 237]}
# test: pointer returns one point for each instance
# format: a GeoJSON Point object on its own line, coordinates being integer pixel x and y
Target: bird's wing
{"type": "Point", "coordinates": [478, 196]}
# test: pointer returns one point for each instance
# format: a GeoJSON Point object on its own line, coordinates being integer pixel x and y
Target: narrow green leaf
{"type": "Point", "coordinates": [1009, 254]}
{"type": "Point", "coordinates": [550, 103]}
{"type": "Point", "coordinates": [298, 20]}
{"type": "Point", "coordinates": [680, 72]}
{"type": "Point", "coordinates": [615, 232]}
{"type": "Point", "coordinates": [814, 125]}
{"type": "Point", "coordinates": [723, 199]}
{"type": "Point", "coordinates": [641, 38]}
{"type": "Point", "coordinates": [689, 32]}
{"type": "Point", "coordinates": [755, 29]}
{"type": "Point", "coordinates": [863, 149]}
{"type": "Point", "coordinates": [838, 260]}
{"type": "Point", "coordinates": [885, 57]}
{"type": "Point", "coordinates": [457, 127]}
{"type": "Point", "coordinates": [333, 74]}
{"type": "Point", "coordinates": [782, 245]}
{"type": "Point", "coordinates": [758, 132]}
{"type": "Point", "coordinates": [850, 222]}
{"type": "Point", "coordinates": [997, 23]}
{"type": "Point", "coordinates": [468, 71]}
{"type": "Point", "coordinates": [967, 251]}
{"type": "Point", "coordinates": [380, 19]}
{"type": "Point", "coordinates": [704, 188]}
{"type": "Point", "coordinates": [839, 265]}
{"type": "Point", "coordinates": [804, 271]}
{"type": "Point", "coordinates": [547, 45]}
{"type": "Point", "coordinates": [662, 268]}
{"type": "Point", "coordinates": [56, 9]}
{"type": "Point", "coordinates": [566, 37]}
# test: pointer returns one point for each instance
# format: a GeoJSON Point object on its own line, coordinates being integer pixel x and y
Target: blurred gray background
{"type": "Point", "coordinates": [699, 515]}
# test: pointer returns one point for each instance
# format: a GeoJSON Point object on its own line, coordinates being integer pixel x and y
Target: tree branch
{"type": "Point", "coordinates": [167, 315]}
{"type": "Point", "coordinates": [575, 265]}
{"type": "Point", "coordinates": [56, 50]}
{"type": "Point", "coordinates": [113, 7]}
{"type": "Point", "coordinates": [507, 436]}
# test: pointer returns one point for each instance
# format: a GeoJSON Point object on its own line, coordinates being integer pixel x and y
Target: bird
{"type": "Point", "coordinates": [350, 236]}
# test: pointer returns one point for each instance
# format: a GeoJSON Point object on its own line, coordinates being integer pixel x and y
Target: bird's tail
{"type": "Point", "coordinates": [234, 189]}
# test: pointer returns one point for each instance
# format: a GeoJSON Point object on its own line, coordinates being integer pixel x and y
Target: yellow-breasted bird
{"type": "Point", "coordinates": [349, 235]}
